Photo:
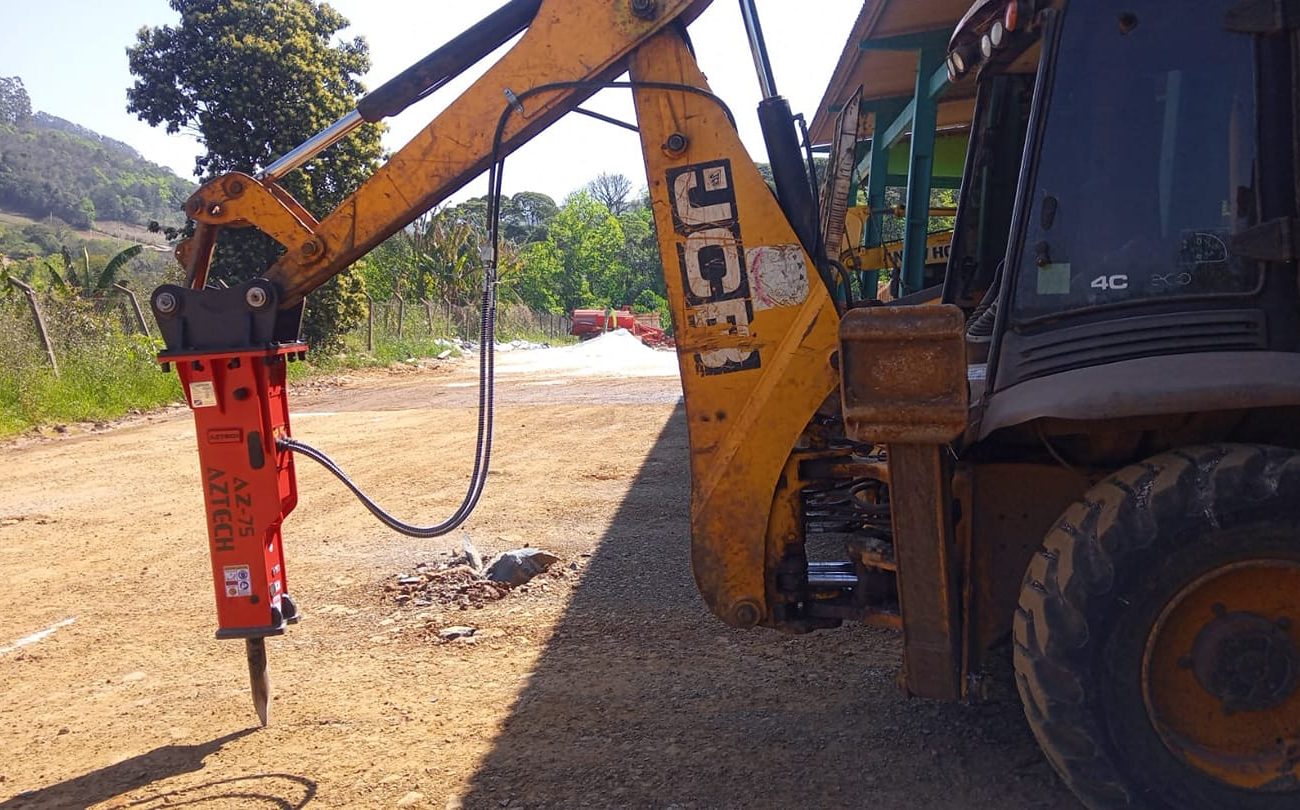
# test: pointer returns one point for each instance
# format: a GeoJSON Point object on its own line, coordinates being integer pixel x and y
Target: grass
{"type": "Point", "coordinates": [105, 374]}
{"type": "Point", "coordinates": [103, 381]}
{"type": "Point", "coordinates": [388, 350]}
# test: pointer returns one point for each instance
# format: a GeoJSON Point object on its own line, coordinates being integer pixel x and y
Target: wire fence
{"type": "Point", "coordinates": [39, 329]}
{"type": "Point", "coordinates": [70, 358]}
{"type": "Point", "coordinates": [402, 319]}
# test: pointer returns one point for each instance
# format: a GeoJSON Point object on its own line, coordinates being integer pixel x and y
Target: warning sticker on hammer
{"type": "Point", "coordinates": [203, 394]}
{"type": "Point", "coordinates": [238, 582]}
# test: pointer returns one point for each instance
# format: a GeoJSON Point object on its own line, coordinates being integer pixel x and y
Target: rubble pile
{"type": "Point", "coordinates": [451, 586]}
{"type": "Point", "coordinates": [462, 580]}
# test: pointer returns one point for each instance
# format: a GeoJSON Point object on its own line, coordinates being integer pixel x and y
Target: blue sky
{"type": "Point", "coordinates": [71, 55]}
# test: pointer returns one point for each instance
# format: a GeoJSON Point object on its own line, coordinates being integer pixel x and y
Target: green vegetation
{"type": "Point", "coordinates": [52, 167]}
{"type": "Point", "coordinates": [429, 332]}
{"type": "Point", "coordinates": [104, 371]}
{"type": "Point", "coordinates": [578, 254]}
{"type": "Point", "coordinates": [254, 80]}
{"type": "Point", "coordinates": [92, 282]}
{"type": "Point", "coordinates": [553, 259]}
{"type": "Point", "coordinates": [23, 238]}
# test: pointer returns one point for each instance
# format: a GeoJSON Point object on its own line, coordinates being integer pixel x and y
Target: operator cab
{"type": "Point", "coordinates": [1122, 157]}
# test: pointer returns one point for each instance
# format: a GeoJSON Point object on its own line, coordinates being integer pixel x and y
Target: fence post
{"type": "Point", "coordinates": [428, 310]}
{"type": "Point", "coordinates": [401, 313]}
{"type": "Point", "coordinates": [135, 304]}
{"type": "Point", "coordinates": [40, 322]}
{"type": "Point", "coordinates": [370, 323]}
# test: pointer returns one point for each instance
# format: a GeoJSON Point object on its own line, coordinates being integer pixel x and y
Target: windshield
{"type": "Point", "coordinates": [1147, 160]}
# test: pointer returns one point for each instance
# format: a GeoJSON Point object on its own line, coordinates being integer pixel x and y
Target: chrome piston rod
{"type": "Point", "coordinates": [831, 575]}
{"type": "Point", "coordinates": [312, 147]}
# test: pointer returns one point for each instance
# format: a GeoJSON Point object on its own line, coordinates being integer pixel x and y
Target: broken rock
{"type": "Point", "coordinates": [467, 555]}
{"type": "Point", "coordinates": [519, 566]}
{"type": "Point", "coordinates": [458, 631]}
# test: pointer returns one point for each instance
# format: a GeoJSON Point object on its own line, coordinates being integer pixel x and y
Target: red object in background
{"type": "Point", "coordinates": [240, 409]}
{"type": "Point", "coordinates": [588, 323]}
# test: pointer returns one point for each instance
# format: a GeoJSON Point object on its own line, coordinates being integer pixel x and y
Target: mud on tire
{"type": "Point", "coordinates": [1097, 587]}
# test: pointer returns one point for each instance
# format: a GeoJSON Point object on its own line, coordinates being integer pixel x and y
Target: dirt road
{"type": "Point", "coordinates": [608, 685]}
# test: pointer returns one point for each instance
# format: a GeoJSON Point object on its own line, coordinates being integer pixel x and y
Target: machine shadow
{"type": "Point", "coordinates": [285, 791]}
{"type": "Point", "coordinates": [642, 698]}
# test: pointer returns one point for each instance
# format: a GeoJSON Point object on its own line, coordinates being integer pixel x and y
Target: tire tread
{"type": "Point", "coordinates": [1075, 571]}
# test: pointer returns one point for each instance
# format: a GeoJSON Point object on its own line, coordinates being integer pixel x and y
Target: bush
{"type": "Point", "coordinates": [103, 371]}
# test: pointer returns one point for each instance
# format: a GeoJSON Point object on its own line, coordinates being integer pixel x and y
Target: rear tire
{"type": "Point", "coordinates": [1131, 682]}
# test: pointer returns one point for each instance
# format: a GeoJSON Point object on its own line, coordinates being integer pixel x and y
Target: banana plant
{"type": "Point", "coordinates": [89, 284]}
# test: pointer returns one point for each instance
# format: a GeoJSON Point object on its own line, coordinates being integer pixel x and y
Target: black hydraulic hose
{"type": "Point", "coordinates": [487, 332]}
{"type": "Point", "coordinates": [483, 442]}
{"type": "Point", "coordinates": [847, 280]}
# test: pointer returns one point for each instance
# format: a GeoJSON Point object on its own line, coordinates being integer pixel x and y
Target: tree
{"type": "Point", "coordinates": [611, 191]}
{"type": "Point", "coordinates": [445, 254]}
{"type": "Point", "coordinates": [15, 104]}
{"type": "Point", "coordinates": [641, 252]}
{"type": "Point", "coordinates": [524, 217]}
{"type": "Point", "coordinates": [51, 166]}
{"type": "Point", "coordinates": [650, 301]}
{"type": "Point", "coordinates": [588, 239]}
{"type": "Point", "coordinates": [435, 257]}
{"type": "Point", "coordinates": [253, 80]}
{"type": "Point", "coordinates": [527, 216]}
{"type": "Point", "coordinates": [538, 279]}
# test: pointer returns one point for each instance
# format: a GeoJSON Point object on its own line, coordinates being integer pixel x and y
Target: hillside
{"type": "Point", "coordinates": [22, 237]}
{"type": "Point", "coordinates": [53, 167]}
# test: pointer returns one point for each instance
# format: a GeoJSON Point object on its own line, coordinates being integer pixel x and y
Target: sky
{"type": "Point", "coordinates": [71, 55]}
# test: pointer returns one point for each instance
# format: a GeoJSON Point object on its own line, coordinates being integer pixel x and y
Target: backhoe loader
{"type": "Point", "coordinates": [1075, 444]}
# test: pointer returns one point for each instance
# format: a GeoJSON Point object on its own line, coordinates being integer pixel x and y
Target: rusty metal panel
{"type": "Point", "coordinates": [924, 548]}
{"type": "Point", "coordinates": [1011, 508]}
{"type": "Point", "coordinates": [904, 371]}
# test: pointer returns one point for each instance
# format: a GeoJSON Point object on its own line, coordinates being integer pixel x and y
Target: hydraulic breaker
{"type": "Point", "coordinates": [240, 410]}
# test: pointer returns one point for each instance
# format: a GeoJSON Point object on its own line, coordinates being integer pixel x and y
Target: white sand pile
{"type": "Point", "coordinates": [614, 354]}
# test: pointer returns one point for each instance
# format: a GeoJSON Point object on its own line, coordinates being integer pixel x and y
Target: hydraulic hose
{"type": "Point", "coordinates": [482, 445]}
{"type": "Point", "coordinates": [487, 330]}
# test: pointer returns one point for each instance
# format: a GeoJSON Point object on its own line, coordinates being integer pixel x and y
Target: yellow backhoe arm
{"type": "Point", "coordinates": [756, 327]}
{"type": "Point", "coordinates": [568, 41]}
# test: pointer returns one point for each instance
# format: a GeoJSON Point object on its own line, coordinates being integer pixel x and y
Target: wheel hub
{"type": "Point", "coordinates": [1248, 662]}
{"type": "Point", "coordinates": [1221, 675]}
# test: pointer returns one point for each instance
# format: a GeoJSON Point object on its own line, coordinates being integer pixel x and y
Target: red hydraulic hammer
{"type": "Point", "coordinates": [238, 397]}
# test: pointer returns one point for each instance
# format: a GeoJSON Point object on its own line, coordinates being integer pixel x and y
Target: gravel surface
{"type": "Point", "coordinates": [603, 683]}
